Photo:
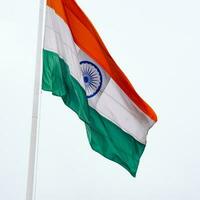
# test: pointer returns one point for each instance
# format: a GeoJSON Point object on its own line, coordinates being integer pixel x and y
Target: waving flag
{"type": "Point", "coordinates": [78, 67]}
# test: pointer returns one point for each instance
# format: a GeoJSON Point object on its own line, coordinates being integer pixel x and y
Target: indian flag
{"type": "Point", "coordinates": [78, 68]}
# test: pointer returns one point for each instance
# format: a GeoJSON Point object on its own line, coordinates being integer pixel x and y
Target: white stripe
{"type": "Point", "coordinates": [111, 101]}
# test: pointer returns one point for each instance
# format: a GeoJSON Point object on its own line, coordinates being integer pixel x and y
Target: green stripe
{"type": "Point", "coordinates": [104, 136]}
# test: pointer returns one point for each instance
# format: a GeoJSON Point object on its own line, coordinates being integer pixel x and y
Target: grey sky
{"type": "Point", "coordinates": [157, 44]}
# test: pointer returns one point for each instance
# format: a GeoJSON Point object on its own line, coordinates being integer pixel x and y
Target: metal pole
{"type": "Point", "coordinates": [32, 170]}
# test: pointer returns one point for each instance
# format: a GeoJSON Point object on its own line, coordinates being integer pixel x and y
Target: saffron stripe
{"type": "Point", "coordinates": [87, 38]}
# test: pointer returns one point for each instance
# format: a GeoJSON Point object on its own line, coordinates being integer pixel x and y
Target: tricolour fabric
{"type": "Point", "coordinates": [78, 68]}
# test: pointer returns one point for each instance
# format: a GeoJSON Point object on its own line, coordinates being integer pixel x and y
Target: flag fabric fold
{"type": "Point", "coordinates": [78, 68]}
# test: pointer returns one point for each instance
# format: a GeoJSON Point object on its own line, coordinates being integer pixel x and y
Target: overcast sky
{"type": "Point", "coordinates": [157, 44]}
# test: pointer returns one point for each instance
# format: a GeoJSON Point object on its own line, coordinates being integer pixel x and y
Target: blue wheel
{"type": "Point", "coordinates": [92, 78]}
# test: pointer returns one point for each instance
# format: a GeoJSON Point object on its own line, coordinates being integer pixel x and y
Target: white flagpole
{"type": "Point", "coordinates": [33, 151]}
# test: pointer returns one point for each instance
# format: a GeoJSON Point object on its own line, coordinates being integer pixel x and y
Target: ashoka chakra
{"type": "Point", "coordinates": [92, 78]}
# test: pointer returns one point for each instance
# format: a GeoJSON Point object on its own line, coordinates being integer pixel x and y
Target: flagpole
{"type": "Point", "coordinates": [33, 151]}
